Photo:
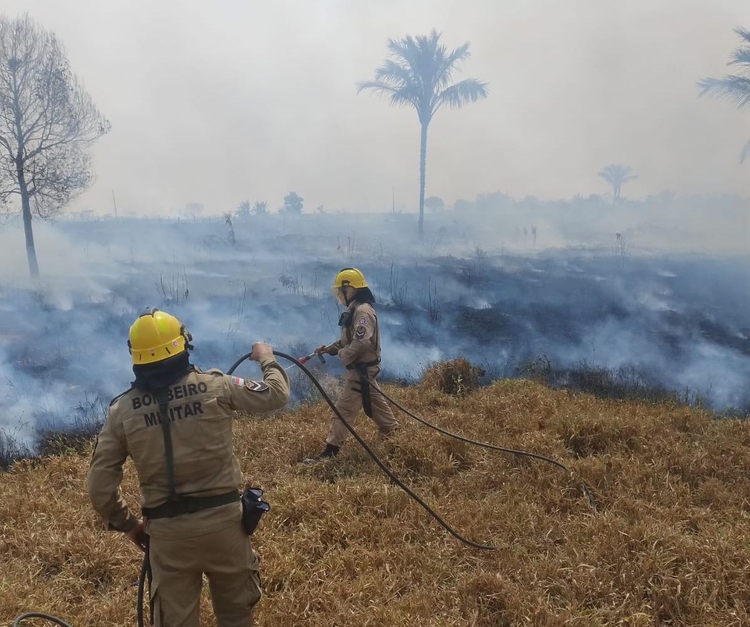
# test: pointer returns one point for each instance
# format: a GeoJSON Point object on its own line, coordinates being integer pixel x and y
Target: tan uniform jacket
{"type": "Point", "coordinates": [201, 407]}
{"type": "Point", "coordinates": [360, 338]}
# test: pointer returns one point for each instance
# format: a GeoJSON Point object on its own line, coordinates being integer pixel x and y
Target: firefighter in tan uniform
{"type": "Point", "coordinates": [188, 475]}
{"type": "Point", "coordinates": [359, 350]}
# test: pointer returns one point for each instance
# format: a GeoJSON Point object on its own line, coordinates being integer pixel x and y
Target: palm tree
{"type": "Point", "coordinates": [419, 73]}
{"type": "Point", "coordinates": [260, 208]}
{"type": "Point", "coordinates": [617, 175]}
{"type": "Point", "coordinates": [243, 210]}
{"type": "Point", "coordinates": [735, 88]}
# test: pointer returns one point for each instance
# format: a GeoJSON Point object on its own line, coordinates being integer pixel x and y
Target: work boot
{"type": "Point", "coordinates": [329, 453]}
{"type": "Point", "coordinates": [387, 435]}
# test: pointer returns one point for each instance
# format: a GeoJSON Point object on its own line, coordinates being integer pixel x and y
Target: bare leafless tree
{"type": "Point", "coordinates": [47, 123]}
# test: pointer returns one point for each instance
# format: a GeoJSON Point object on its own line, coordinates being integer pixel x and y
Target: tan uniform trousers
{"type": "Point", "coordinates": [350, 402]}
{"type": "Point", "coordinates": [231, 565]}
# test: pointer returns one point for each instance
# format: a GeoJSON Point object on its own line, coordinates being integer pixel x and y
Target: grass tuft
{"type": "Point", "coordinates": [457, 377]}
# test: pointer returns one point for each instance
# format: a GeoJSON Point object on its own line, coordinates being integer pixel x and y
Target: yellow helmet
{"type": "Point", "coordinates": [156, 336]}
{"type": "Point", "coordinates": [347, 276]}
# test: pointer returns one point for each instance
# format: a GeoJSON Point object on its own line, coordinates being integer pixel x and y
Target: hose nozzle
{"type": "Point", "coordinates": [306, 358]}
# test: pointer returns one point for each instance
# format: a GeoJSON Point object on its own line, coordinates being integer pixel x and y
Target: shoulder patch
{"type": "Point", "coordinates": [238, 381]}
{"type": "Point", "coordinates": [119, 396]}
{"type": "Point", "coordinates": [256, 386]}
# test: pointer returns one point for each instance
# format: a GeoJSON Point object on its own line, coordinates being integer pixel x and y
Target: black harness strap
{"type": "Point", "coordinates": [366, 364]}
{"type": "Point", "coordinates": [161, 396]}
{"type": "Point", "coordinates": [190, 505]}
{"type": "Point", "coordinates": [365, 383]}
{"type": "Point", "coordinates": [362, 367]}
{"type": "Point", "coordinates": [177, 504]}
{"type": "Point", "coordinates": [146, 575]}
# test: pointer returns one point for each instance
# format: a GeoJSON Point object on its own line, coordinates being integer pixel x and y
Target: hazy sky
{"type": "Point", "coordinates": [220, 101]}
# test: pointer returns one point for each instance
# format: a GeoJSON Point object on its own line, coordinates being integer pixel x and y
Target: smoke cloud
{"type": "Point", "coordinates": [218, 102]}
{"type": "Point", "coordinates": [611, 299]}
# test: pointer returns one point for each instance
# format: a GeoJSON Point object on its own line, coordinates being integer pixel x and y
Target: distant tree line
{"type": "Point", "coordinates": [293, 205]}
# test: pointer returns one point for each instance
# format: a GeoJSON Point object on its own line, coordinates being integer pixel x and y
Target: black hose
{"type": "Point", "coordinates": [369, 451]}
{"type": "Point", "coordinates": [145, 567]}
{"type": "Point", "coordinates": [493, 447]}
{"type": "Point", "coordinates": [52, 619]}
{"type": "Point", "coordinates": [549, 460]}
{"type": "Point", "coordinates": [383, 467]}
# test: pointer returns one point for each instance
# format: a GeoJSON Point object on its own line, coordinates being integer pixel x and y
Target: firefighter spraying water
{"type": "Point", "coordinates": [359, 351]}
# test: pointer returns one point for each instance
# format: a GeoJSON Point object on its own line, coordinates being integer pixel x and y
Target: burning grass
{"type": "Point", "coordinates": [669, 545]}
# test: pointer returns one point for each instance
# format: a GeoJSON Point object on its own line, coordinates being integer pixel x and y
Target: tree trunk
{"type": "Point", "coordinates": [422, 164]}
{"type": "Point", "coordinates": [23, 186]}
{"type": "Point", "coordinates": [27, 229]}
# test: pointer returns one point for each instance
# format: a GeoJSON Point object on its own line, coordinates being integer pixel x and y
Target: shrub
{"type": "Point", "coordinates": [457, 377]}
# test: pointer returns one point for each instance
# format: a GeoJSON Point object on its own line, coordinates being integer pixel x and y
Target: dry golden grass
{"type": "Point", "coordinates": [457, 377]}
{"type": "Point", "coordinates": [343, 546]}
